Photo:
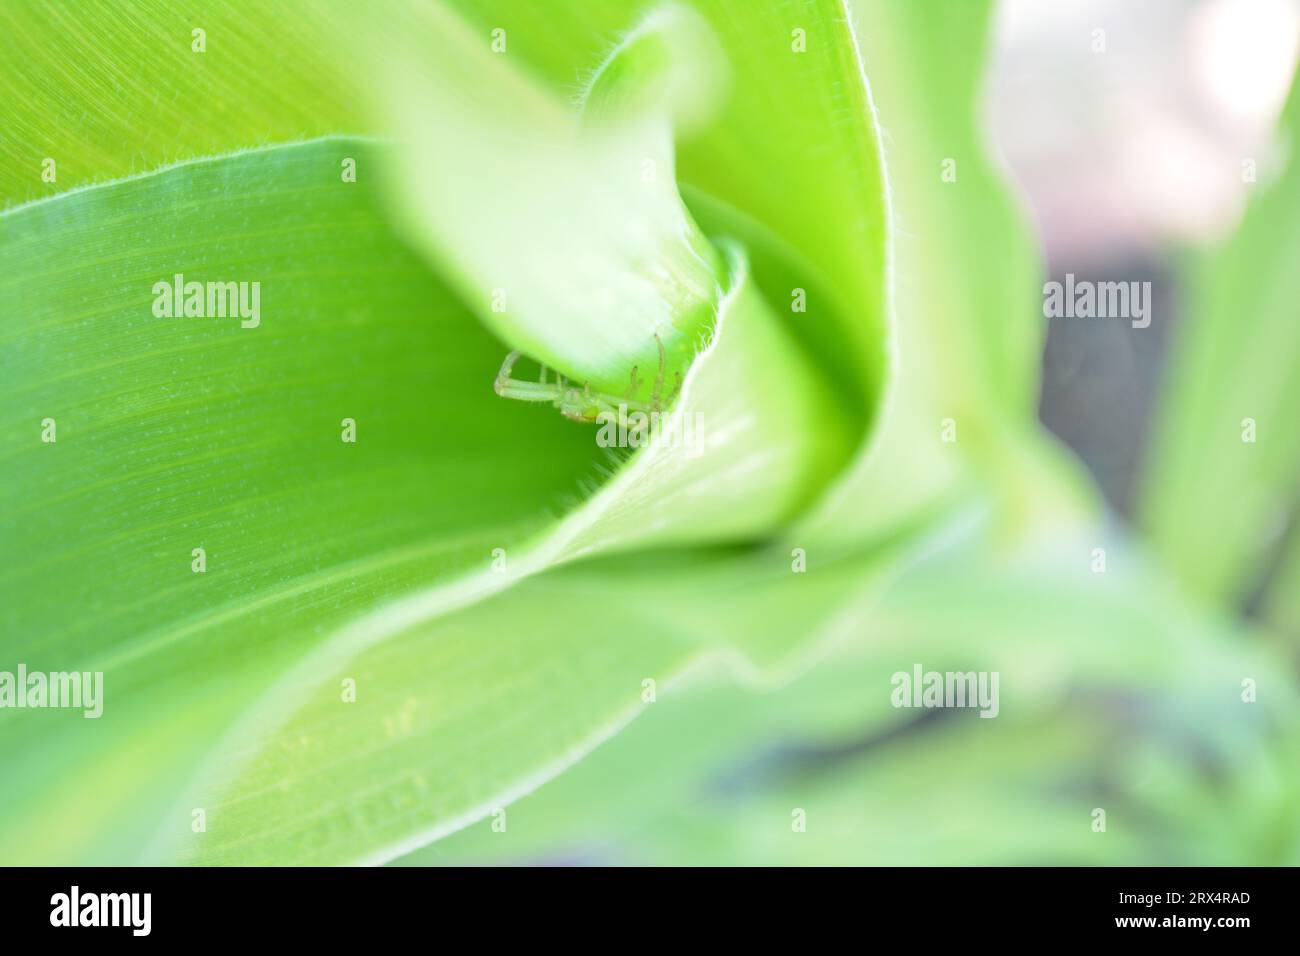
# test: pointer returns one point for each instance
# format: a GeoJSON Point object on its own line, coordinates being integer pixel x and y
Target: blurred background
{"type": "Point", "coordinates": [1125, 157]}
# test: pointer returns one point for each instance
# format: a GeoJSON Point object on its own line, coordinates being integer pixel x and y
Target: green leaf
{"type": "Point", "coordinates": [109, 88]}
{"type": "Point", "coordinates": [475, 680]}
{"type": "Point", "coordinates": [959, 414]}
{"type": "Point", "coordinates": [188, 433]}
{"type": "Point", "coordinates": [181, 433]}
{"type": "Point", "coordinates": [967, 264]}
{"type": "Point", "coordinates": [782, 434]}
{"type": "Point", "coordinates": [1133, 706]}
{"type": "Point", "coordinates": [1221, 485]}
{"type": "Point", "coordinates": [420, 652]}
{"type": "Point", "coordinates": [565, 232]}
{"type": "Point", "coordinates": [459, 716]}
{"type": "Point", "coordinates": [792, 147]}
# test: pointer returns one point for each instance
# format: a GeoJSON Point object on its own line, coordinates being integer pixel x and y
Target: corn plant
{"type": "Point", "coordinates": [487, 430]}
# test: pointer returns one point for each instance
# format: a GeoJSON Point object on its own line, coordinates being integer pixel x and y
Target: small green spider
{"type": "Point", "coordinates": [582, 404]}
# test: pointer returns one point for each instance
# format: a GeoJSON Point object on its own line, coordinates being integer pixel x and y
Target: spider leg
{"type": "Point", "coordinates": [508, 387]}
{"type": "Point", "coordinates": [507, 367]}
{"type": "Point", "coordinates": [677, 388]}
{"type": "Point", "coordinates": [659, 376]}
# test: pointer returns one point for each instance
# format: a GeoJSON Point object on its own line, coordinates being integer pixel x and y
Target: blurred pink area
{"type": "Point", "coordinates": [1131, 123]}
